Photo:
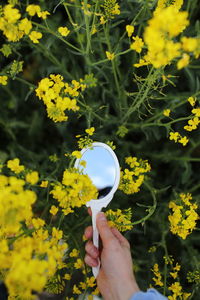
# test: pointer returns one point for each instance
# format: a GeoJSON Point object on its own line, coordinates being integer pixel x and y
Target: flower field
{"type": "Point", "coordinates": [125, 73]}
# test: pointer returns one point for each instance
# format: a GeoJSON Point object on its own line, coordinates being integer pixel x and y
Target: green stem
{"type": "Point", "coordinates": [57, 35]}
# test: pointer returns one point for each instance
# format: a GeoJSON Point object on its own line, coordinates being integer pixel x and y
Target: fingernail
{"type": "Point", "coordinates": [101, 216]}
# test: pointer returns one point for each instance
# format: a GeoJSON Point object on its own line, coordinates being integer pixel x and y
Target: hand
{"type": "Point", "coordinates": [115, 280]}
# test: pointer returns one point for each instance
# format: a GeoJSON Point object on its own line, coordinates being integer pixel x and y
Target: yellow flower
{"type": "Point", "coordinates": [183, 140]}
{"type": "Point", "coordinates": [102, 20]}
{"type": "Point", "coordinates": [110, 56]}
{"type": "Point", "coordinates": [67, 277]}
{"type": "Point", "coordinates": [192, 100]}
{"type": "Point", "coordinates": [129, 30]}
{"type": "Point", "coordinates": [196, 111]}
{"type": "Point", "coordinates": [78, 264]}
{"type": "Point", "coordinates": [12, 15]}
{"type": "Point", "coordinates": [64, 31]}
{"type": "Point", "coordinates": [32, 177]}
{"type": "Point", "coordinates": [25, 25]}
{"type": "Point", "coordinates": [183, 62]}
{"type": "Point", "coordinates": [35, 36]}
{"type": "Point", "coordinates": [43, 14]}
{"type": "Point", "coordinates": [53, 210]}
{"type": "Point", "coordinates": [3, 80]}
{"type": "Point", "coordinates": [77, 154]}
{"type": "Point", "coordinates": [90, 130]}
{"type": "Point", "coordinates": [158, 278]}
{"type": "Point", "coordinates": [166, 112]}
{"type": "Point", "coordinates": [32, 9]}
{"type": "Point", "coordinates": [44, 183]}
{"type": "Point", "coordinates": [74, 253]}
{"type": "Point", "coordinates": [137, 44]}
{"type": "Point", "coordinates": [14, 165]}
{"type": "Point", "coordinates": [174, 136]}
{"type": "Point", "coordinates": [76, 290]}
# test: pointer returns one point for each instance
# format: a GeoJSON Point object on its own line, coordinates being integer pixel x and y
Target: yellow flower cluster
{"type": "Point", "coordinates": [131, 180]}
{"type": "Point", "coordinates": [166, 3]}
{"type": "Point", "coordinates": [31, 261]}
{"type": "Point", "coordinates": [175, 136]}
{"type": "Point", "coordinates": [177, 291]}
{"type": "Point", "coordinates": [184, 216]}
{"type": "Point", "coordinates": [159, 36]}
{"type": "Point", "coordinates": [74, 191]}
{"type": "Point", "coordinates": [15, 205]}
{"type": "Point", "coordinates": [158, 277]}
{"type": "Point", "coordinates": [59, 96]}
{"type": "Point", "coordinates": [14, 27]}
{"type": "Point", "coordinates": [120, 219]}
{"type": "Point", "coordinates": [111, 8]}
{"type": "Point", "coordinates": [194, 121]}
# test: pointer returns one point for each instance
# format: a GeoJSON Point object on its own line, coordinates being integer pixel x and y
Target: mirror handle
{"type": "Point", "coordinates": [95, 211]}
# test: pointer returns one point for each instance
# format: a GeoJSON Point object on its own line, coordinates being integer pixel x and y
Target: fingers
{"type": "Point", "coordinates": [91, 250]}
{"type": "Point", "coordinates": [123, 241]}
{"type": "Point", "coordinates": [88, 232]}
{"type": "Point", "coordinates": [104, 230]}
{"type": "Point", "coordinates": [90, 261]}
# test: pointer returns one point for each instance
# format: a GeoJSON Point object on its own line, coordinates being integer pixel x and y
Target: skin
{"type": "Point", "coordinates": [116, 280]}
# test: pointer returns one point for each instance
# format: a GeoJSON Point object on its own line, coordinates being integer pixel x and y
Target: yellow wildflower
{"type": "Point", "coordinates": [137, 44]}
{"type": "Point", "coordinates": [43, 14]}
{"type": "Point", "coordinates": [76, 290]}
{"type": "Point", "coordinates": [44, 183]}
{"type": "Point", "coordinates": [90, 130]}
{"type": "Point", "coordinates": [74, 253]}
{"type": "Point", "coordinates": [192, 100]}
{"type": "Point", "coordinates": [11, 14]}
{"type": "Point", "coordinates": [129, 30]}
{"type": "Point", "coordinates": [3, 80]}
{"type": "Point", "coordinates": [183, 140]}
{"type": "Point", "coordinates": [25, 25]}
{"type": "Point", "coordinates": [35, 36]}
{"type": "Point", "coordinates": [120, 219]}
{"type": "Point", "coordinates": [77, 154]}
{"type": "Point", "coordinates": [64, 31]}
{"type": "Point", "coordinates": [176, 288]}
{"type": "Point", "coordinates": [196, 111]}
{"type": "Point", "coordinates": [32, 177]}
{"type": "Point", "coordinates": [14, 165]}
{"type": "Point", "coordinates": [110, 56]}
{"type": "Point", "coordinates": [184, 217]}
{"type": "Point", "coordinates": [67, 277]}
{"type": "Point", "coordinates": [53, 210]}
{"type": "Point", "coordinates": [183, 62]}
{"type": "Point", "coordinates": [32, 9]}
{"type": "Point", "coordinates": [78, 264]}
{"type": "Point", "coordinates": [166, 112]}
{"type": "Point", "coordinates": [158, 278]}
{"type": "Point", "coordinates": [174, 136]}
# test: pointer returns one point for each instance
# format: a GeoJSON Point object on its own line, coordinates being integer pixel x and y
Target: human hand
{"type": "Point", "coordinates": [115, 280]}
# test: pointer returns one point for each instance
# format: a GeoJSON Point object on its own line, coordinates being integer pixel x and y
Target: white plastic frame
{"type": "Point", "coordinates": [97, 204]}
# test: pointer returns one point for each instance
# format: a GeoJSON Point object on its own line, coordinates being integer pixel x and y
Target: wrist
{"type": "Point", "coordinates": [126, 290]}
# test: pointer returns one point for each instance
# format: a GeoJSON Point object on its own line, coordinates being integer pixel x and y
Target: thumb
{"type": "Point", "coordinates": [104, 230]}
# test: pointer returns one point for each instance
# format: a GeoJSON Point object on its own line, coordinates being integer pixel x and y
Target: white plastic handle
{"type": "Point", "coordinates": [95, 211]}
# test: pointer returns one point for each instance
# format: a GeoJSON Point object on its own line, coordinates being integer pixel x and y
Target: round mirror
{"type": "Point", "coordinates": [102, 168]}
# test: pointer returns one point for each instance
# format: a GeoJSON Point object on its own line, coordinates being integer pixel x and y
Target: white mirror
{"type": "Point", "coordinates": [102, 167]}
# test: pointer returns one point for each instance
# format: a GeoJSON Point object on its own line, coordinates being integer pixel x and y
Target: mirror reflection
{"type": "Point", "coordinates": [101, 168]}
